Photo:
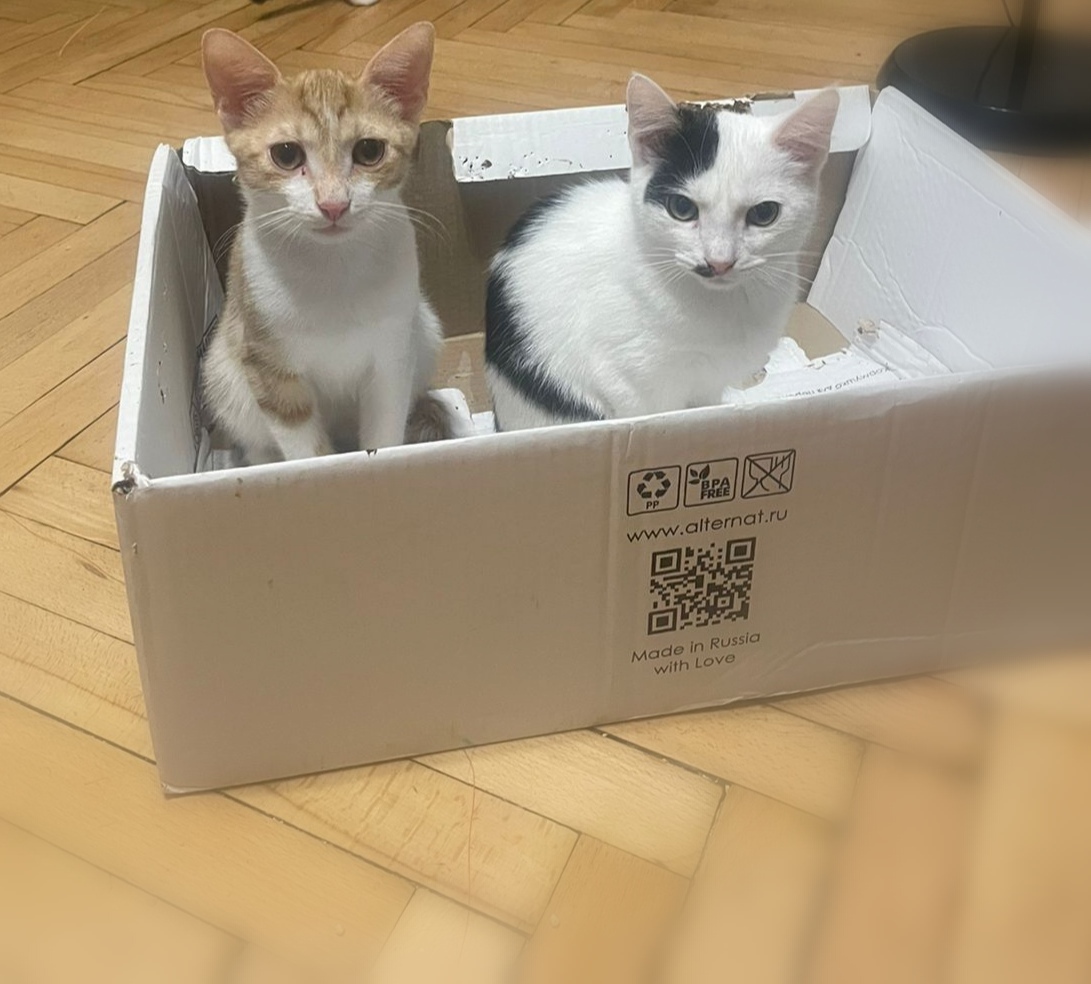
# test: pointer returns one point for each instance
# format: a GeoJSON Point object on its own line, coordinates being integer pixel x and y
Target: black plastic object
{"type": "Point", "coordinates": [1004, 88]}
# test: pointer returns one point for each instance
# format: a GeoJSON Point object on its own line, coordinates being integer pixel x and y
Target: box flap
{"type": "Point", "coordinates": [944, 244]}
{"type": "Point", "coordinates": [571, 141]}
{"type": "Point", "coordinates": [176, 296]}
{"type": "Point", "coordinates": [208, 154]}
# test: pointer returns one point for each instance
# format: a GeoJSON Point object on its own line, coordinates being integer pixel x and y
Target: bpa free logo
{"type": "Point", "coordinates": [709, 482]}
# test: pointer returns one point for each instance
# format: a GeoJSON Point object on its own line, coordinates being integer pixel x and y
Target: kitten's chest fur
{"type": "Point", "coordinates": [332, 309]}
{"type": "Point", "coordinates": [696, 345]}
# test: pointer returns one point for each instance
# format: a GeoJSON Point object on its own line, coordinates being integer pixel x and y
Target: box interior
{"type": "Point", "coordinates": [914, 279]}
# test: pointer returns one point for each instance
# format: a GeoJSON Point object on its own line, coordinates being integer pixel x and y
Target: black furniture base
{"type": "Point", "coordinates": [1015, 89]}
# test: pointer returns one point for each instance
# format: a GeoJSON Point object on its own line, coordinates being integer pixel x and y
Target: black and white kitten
{"type": "Point", "coordinates": [620, 298]}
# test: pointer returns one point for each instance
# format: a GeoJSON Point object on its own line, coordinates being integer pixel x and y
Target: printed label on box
{"type": "Point", "coordinates": [654, 489]}
{"type": "Point", "coordinates": [770, 473]}
{"type": "Point", "coordinates": [709, 482]}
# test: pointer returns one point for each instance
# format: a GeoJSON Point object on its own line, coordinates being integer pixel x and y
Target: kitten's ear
{"type": "Point", "coordinates": [401, 69]}
{"type": "Point", "coordinates": [237, 74]}
{"type": "Point", "coordinates": [805, 135]}
{"type": "Point", "coordinates": [653, 117]}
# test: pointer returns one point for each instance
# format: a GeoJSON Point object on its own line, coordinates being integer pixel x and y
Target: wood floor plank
{"type": "Point", "coordinates": [798, 762]}
{"type": "Point", "coordinates": [94, 445]}
{"type": "Point", "coordinates": [555, 41]}
{"type": "Point", "coordinates": [251, 964]}
{"type": "Point", "coordinates": [61, 919]}
{"type": "Point", "coordinates": [64, 303]}
{"type": "Point", "coordinates": [510, 13]}
{"type": "Point", "coordinates": [188, 80]}
{"type": "Point", "coordinates": [67, 497]}
{"type": "Point", "coordinates": [429, 10]}
{"type": "Point", "coordinates": [563, 74]}
{"type": "Point", "coordinates": [676, 31]}
{"type": "Point", "coordinates": [76, 122]}
{"type": "Point", "coordinates": [278, 35]}
{"type": "Point", "coordinates": [30, 437]}
{"type": "Point", "coordinates": [606, 922]}
{"type": "Point", "coordinates": [898, 877]}
{"type": "Point", "coordinates": [38, 274]}
{"type": "Point", "coordinates": [735, 74]}
{"type": "Point", "coordinates": [65, 173]}
{"type": "Point", "coordinates": [152, 114]}
{"type": "Point", "coordinates": [19, 31]}
{"type": "Point", "coordinates": [47, 199]}
{"type": "Point", "coordinates": [1057, 686]}
{"type": "Point", "coordinates": [152, 90]}
{"type": "Point", "coordinates": [48, 52]}
{"type": "Point", "coordinates": [31, 238]}
{"type": "Point", "coordinates": [850, 18]}
{"type": "Point", "coordinates": [31, 11]}
{"type": "Point", "coordinates": [72, 577]}
{"type": "Point", "coordinates": [138, 34]}
{"type": "Point", "coordinates": [755, 896]}
{"type": "Point", "coordinates": [65, 352]}
{"type": "Point", "coordinates": [346, 30]}
{"type": "Point", "coordinates": [453, 22]}
{"type": "Point", "coordinates": [439, 940]}
{"type": "Point", "coordinates": [14, 216]}
{"type": "Point", "coordinates": [465, 843]}
{"type": "Point", "coordinates": [187, 42]}
{"type": "Point", "coordinates": [1027, 905]}
{"type": "Point", "coordinates": [209, 855]}
{"type": "Point", "coordinates": [41, 137]}
{"type": "Point", "coordinates": [72, 672]}
{"type": "Point", "coordinates": [686, 77]}
{"type": "Point", "coordinates": [601, 787]}
{"type": "Point", "coordinates": [923, 715]}
{"type": "Point", "coordinates": [555, 13]}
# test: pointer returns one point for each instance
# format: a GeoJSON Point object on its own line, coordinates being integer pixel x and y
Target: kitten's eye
{"type": "Point", "coordinates": [763, 214]}
{"type": "Point", "coordinates": [681, 208]}
{"type": "Point", "coordinates": [287, 156]}
{"type": "Point", "coordinates": [368, 152]}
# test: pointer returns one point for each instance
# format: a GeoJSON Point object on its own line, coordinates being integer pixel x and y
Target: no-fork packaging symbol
{"type": "Point", "coordinates": [654, 489]}
{"type": "Point", "coordinates": [771, 473]}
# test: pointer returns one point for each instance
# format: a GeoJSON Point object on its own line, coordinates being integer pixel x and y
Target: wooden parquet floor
{"type": "Point", "coordinates": [919, 831]}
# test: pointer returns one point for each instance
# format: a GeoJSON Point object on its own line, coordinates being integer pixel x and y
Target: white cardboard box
{"type": "Point", "coordinates": [308, 615]}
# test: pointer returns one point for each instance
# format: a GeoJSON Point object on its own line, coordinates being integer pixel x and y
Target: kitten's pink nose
{"type": "Point", "coordinates": [333, 210]}
{"type": "Point", "coordinates": [720, 267]}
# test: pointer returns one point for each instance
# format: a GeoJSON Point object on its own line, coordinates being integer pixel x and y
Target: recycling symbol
{"type": "Point", "coordinates": [654, 485]}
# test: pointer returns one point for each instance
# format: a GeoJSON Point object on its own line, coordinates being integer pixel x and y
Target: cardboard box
{"type": "Point", "coordinates": [308, 615]}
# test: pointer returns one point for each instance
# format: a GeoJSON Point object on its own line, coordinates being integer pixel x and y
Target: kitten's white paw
{"type": "Point", "coordinates": [363, 3]}
{"type": "Point", "coordinates": [439, 415]}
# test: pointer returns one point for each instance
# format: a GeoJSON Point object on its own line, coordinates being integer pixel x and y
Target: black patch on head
{"type": "Point", "coordinates": [506, 352]}
{"type": "Point", "coordinates": [684, 152]}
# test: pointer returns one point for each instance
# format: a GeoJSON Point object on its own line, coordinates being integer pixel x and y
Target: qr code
{"type": "Point", "coordinates": [693, 587]}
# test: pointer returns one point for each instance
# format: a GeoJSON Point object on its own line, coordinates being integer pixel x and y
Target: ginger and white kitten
{"type": "Point", "coordinates": [325, 340]}
{"type": "Point", "coordinates": [615, 299]}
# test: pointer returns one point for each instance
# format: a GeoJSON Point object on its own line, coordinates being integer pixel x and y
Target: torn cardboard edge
{"type": "Point", "coordinates": [594, 138]}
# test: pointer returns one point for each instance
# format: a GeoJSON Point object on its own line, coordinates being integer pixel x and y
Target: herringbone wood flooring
{"type": "Point", "coordinates": [928, 830]}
